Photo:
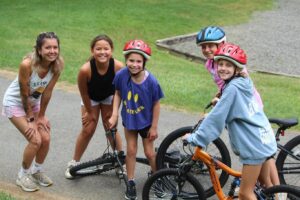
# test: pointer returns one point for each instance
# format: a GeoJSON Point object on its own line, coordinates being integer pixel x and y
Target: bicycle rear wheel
{"type": "Point", "coordinates": [172, 152]}
{"type": "Point", "coordinates": [168, 184]}
{"type": "Point", "coordinates": [96, 166]}
{"type": "Point", "coordinates": [286, 192]}
{"type": "Point", "coordinates": [288, 162]}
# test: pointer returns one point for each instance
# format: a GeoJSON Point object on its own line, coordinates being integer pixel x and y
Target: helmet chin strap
{"type": "Point", "coordinates": [136, 73]}
{"type": "Point", "coordinates": [232, 77]}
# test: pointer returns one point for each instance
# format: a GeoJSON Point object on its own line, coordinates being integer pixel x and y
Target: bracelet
{"type": "Point", "coordinates": [31, 119]}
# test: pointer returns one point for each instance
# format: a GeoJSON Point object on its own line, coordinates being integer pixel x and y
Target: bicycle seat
{"type": "Point", "coordinates": [284, 123]}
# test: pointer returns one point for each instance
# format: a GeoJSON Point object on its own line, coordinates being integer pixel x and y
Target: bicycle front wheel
{"type": "Point", "coordinates": [288, 162]}
{"type": "Point", "coordinates": [96, 166]}
{"type": "Point", "coordinates": [168, 184]}
{"type": "Point", "coordinates": [286, 192]}
{"type": "Point", "coordinates": [172, 152]}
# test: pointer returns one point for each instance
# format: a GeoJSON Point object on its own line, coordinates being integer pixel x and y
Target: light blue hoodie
{"type": "Point", "coordinates": [251, 135]}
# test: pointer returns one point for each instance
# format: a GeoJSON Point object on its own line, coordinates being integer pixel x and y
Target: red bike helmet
{"type": "Point", "coordinates": [232, 53]}
{"type": "Point", "coordinates": [137, 46]}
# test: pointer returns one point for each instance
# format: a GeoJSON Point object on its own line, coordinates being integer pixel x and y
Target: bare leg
{"type": "Point", "coordinates": [131, 140]}
{"type": "Point", "coordinates": [86, 133]}
{"type": "Point", "coordinates": [274, 172]}
{"type": "Point", "coordinates": [44, 149]}
{"type": "Point", "coordinates": [106, 112]}
{"type": "Point", "coordinates": [150, 153]}
{"type": "Point", "coordinates": [34, 144]}
{"type": "Point", "coordinates": [268, 175]}
{"type": "Point", "coordinates": [250, 175]}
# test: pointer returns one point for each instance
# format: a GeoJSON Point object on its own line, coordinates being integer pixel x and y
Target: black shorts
{"type": "Point", "coordinates": [143, 132]}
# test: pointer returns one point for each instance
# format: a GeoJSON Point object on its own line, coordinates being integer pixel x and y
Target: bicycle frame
{"type": "Point", "coordinates": [212, 163]}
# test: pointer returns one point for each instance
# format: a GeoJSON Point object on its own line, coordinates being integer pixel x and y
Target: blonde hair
{"type": "Point", "coordinates": [36, 59]}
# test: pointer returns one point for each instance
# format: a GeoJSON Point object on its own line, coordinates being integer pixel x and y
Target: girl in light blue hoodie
{"type": "Point", "coordinates": [250, 132]}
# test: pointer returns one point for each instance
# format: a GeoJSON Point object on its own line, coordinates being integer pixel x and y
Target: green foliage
{"type": "Point", "coordinates": [186, 85]}
{"type": "Point", "coordinates": [4, 196]}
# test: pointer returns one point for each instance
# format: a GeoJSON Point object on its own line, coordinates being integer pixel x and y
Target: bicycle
{"type": "Point", "coordinates": [171, 154]}
{"type": "Point", "coordinates": [179, 183]}
{"type": "Point", "coordinates": [288, 159]}
{"type": "Point", "coordinates": [110, 159]}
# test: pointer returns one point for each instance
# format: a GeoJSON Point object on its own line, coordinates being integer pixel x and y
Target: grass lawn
{"type": "Point", "coordinates": [187, 85]}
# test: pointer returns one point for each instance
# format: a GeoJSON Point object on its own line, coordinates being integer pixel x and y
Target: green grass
{"type": "Point", "coordinates": [187, 86]}
{"type": "Point", "coordinates": [5, 196]}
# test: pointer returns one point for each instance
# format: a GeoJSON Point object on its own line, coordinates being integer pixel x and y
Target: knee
{"type": "Point", "coordinates": [131, 151]}
{"type": "Point", "coordinates": [88, 132]}
{"type": "Point", "coordinates": [150, 155]}
{"type": "Point", "coordinates": [36, 141]}
{"type": "Point", "coordinates": [46, 139]}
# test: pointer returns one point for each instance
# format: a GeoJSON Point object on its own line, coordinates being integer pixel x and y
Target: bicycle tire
{"type": "Point", "coordinates": [216, 148]}
{"type": "Point", "coordinates": [287, 166]}
{"type": "Point", "coordinates": [92, 167]}
{"type": "Point", "coordinates": [291, 192]}
{"type": "Point", "coordinates": [164, 184]}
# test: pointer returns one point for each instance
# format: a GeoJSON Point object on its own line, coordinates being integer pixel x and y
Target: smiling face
{"type": "Point", "coordinates": [102, 51]}
{"type": "Point", "coordinates": [49, 50]}
{"type": "Point", "coordinates": [209, 49]}
{"type": "Point", "coordinates": [226, 69]}
{"type": "Point", "coordinates": [135, 63]}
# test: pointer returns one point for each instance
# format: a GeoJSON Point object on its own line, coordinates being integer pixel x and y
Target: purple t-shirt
{"type": "Point", "coordinates": [137, 99]}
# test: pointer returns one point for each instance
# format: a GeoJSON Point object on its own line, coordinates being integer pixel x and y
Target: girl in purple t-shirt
{"type": "Point", "coordinates": [139, 92]}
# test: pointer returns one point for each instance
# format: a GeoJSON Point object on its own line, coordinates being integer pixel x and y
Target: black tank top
{"type": "Point", "coordinates": [100, 86]}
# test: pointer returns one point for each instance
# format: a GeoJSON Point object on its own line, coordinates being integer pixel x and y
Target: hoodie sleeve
{"type": "Point", "coordinates": [213, 125]}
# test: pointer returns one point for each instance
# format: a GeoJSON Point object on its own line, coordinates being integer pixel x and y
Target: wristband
{"type": "Point", "coordinates": [30, 119]}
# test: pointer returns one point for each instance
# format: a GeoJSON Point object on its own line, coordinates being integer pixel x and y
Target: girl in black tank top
{"type": "Point", "coordinates": [96, 92]}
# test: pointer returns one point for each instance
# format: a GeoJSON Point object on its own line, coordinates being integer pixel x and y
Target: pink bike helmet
{"type": "Point", "coordinates": [232, 53]}
{"type": "Point", "coordinates": [137, 46]}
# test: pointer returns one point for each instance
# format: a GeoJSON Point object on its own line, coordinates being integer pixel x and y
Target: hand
{"type": "Point", "coordinates": [87, 118]}
{"type": "Point", "coordinates": [184, 138]}
{"type": "Point", "coordinates": [152, 135]}
{"type": "Point", "coordinates": [113, 120]}
{"type": "Point", "coordinates": [31, 130]}
{"type": "Point", "coordinates": [214, 101]}
{"type": "Point", "coordinates": [43, 123]}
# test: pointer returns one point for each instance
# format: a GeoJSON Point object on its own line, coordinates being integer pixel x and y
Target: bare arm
{"type": "Point", "coordinates": [24, 83]}
{"type": "Point", "coordinates": [82, 80]}
{"type": "Point", "coordinates": [153, 130]}
{"type": "Point", "coordinates": [116, 105]}
{"type": "Point", "coordinates": [46, 96]}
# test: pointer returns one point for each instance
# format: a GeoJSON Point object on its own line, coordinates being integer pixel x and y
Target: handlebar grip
{"type": "Point", "coordinates": [185, 142]}
{"type": "Point", "coordinates": [208, 105]}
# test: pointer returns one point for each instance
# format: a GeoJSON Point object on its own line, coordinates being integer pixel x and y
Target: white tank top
{"type": "Point", "coordinates": [12, 96]}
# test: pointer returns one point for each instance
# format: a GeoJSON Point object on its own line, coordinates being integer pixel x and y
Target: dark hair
{"type": "Point", "coordinates": [40, 41]}
{"type": "Point", "coordinates": [102, 37]}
